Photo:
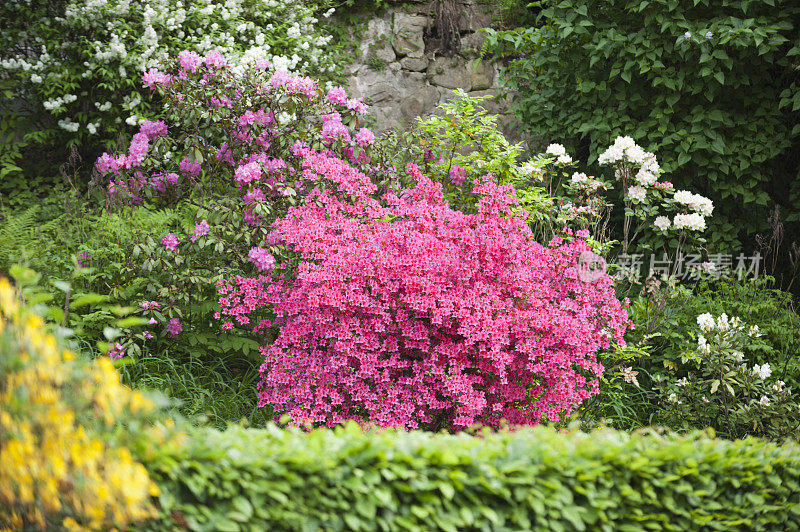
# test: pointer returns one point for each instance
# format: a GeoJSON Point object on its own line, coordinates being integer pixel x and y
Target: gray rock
{"type": "Point", "coordinates": [471, 44]}
{"type": "Point", "coordinates": [415, 64]}
{"type": "Point", "coordinates": [450, 73]}
{"type": "Point", "coordinates": [408, 30]}
{"type": "Point", "coordinates": [474, 17]}
{"type": "Point", "coordinates": [418, 103]}
{"type": "Point", "coordinates": [481, 75]}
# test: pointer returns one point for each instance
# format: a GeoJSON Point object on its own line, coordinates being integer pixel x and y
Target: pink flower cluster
{"type": "Point", "coordinates": [174, 327]}
{"type": "Point", "coordinates": [437, 318]}
{"type": "Point", "coordinates": [153, 78]}
{"type": "Point", "coordinates": [262, 258]}
{"type": "Point", "coordinates": [170, 242]}
{"type": "Point", "coordinates": [200, 229]}
{"type": "Point", "coordinates": [190, 166]}
{"type": "Point", "coordinates": [457, 175]}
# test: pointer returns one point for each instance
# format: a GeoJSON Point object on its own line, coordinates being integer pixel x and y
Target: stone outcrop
{"type": "Point", "coordinates": [401, 70]}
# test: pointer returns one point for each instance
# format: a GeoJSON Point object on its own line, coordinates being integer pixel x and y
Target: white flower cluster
{"type": "Point", "coordinates": [762, 372]}
{"type": "Point", "coordinates": [129, 39]}
{"type": "Point", "coordinates": [637, 193]}
{"type": "Point", "coordinates": [558, 151]}
{"type": "Point", "coordinates": [68, 125]}
{"type": "Point", "coordinates": [696, 202]}
{"type": "Point", "coordinates": [691, 221]}
{"type": "Point", "coordinates": [706, 322]}
{"type": "Point", "coordinates": [662, 223]}
{"type": "Point", "coordinates": [58, 103]}
{"type": "Point", "coordinates": [624, 150]}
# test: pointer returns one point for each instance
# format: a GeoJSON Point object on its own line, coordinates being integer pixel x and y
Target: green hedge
{"type": "Point", "coordinates": [274, 479]}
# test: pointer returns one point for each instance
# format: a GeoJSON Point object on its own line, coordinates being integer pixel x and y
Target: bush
{"type": "Point", "coordinates": [66, 430]}
{"type": "Point", "coordinates": [711, 87]}
{"type": "Point", "coordinates": [665, 336]}
{"type": "Point", "coordinates": [413, 314]}
{"type": "Point", "coordinates": [531, 479]}
{"type": "Point", "coordinates": [71, 70]}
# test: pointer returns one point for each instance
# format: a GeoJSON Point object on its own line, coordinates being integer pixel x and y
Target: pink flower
{"type": "Point", "coordinates": [358, 106]}
{"type": "Point", "coordinates": [190, 166]}
{"type": "Point", "coordinates": [457, 175]}
{"type": "Point", "coordinates": [170, 242]}
{"type": "Point", "coordinates": [435, 315]}
{"type": "Point", "coordinates": [153, 321]}
{"type": "Point", "coordinates": [200, 229]}
{"type": "Point", "coordinates": [215, 60]}
{"type": "Point", "coordinates": [174, 327]}
{"type": "Point", "coordinates": [116, 351]}
{"type": "Point", "coordinates": [337, 96]}
{"type": "Point", "coordinates": [365, 137]}
{"type": "Point", "coordinates": [262, 258]}
{"type": "Point", "coordinates": [189, 61]}
{"type": "Point", "coordinates": [153, 78]}
{"type": "Point", "coordinates": [153, 130]}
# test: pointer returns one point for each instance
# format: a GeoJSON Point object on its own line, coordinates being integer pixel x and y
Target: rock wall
{"type": "Point", "coordinates": [401, 69]}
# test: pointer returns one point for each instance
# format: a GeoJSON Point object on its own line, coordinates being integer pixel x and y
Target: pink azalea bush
{"type": "Point", "coordinates": [407, 313]}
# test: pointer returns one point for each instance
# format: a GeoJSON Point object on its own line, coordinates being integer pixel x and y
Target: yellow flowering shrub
{"type": "Point", "coordinates": [64, 462]}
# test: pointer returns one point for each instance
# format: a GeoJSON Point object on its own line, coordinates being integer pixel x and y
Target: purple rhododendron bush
{"type": "Point", "coordinates": [370, 304]}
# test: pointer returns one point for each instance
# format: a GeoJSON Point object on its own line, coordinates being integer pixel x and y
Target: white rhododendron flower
{"type": "Point", "coordinates": [637, 193]}
{"type": "Point", "coordinates": [556, 150]}
{"type": "Point", "coordinates": [764, 401]}
{"type": "Point", "coordinates": [693, 221]}
{"type": "Point", "coordinates": [706, 322]}
{"type": "Point", "coordinates": [762, 372]}
{"type": "Point", "coordinates": [662, 223]}
{"type": "Point", "coordinates": [703, 345]}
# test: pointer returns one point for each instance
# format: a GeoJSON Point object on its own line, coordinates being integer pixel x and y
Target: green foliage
{"type": "Point", "coordinates": [665, 316]}
{"type": "Point", "coordinates": [722, 390]}
{"type": "Point", "coordinates": [712, 87]}
{"type": "Point", "coordinates": [531, 479]}
{"type": "Point", "coordinates": [466, 136]}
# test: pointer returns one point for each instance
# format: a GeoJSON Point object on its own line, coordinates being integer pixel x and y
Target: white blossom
{"type": "Point", "coordinates": [556, 150]}
{"type": "Point", "coordinates": [706, 322]}
{"type": "Point", "coordinates": [637, 193]}
{"type": "Point", "coordinates": [662, 223]}
{"type": "Point", "coordinates": [762, 372]}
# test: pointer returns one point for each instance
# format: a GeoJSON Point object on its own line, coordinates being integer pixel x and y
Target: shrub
{"type": "Point", "coordinates": [722, 391]}
{"type": "Point", "coordinates": [711, 87]}
{"type": "Point", "coordinates": [413, 314]}
{"type": "Point", "coordinates": [71, 69]}
{"type": "Point", "coordinates": [665, 319]}
{"type": "Point", "coordinates": [530, 479]}
{"type": "Point", "coordinates": [66, 427]}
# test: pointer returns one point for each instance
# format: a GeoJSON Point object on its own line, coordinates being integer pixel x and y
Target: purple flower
{"type": "Point", "coordinates": [365, 137]}
{"type": "Point", "coordinates": [174, 327]}
{"type": "Point", "coordinates": [170, 242]}
{"type": "Point", "coordinates": [262, 258]}
{"type": "Point", "coordinates": [189, 166]}
{"type": "Point", "coordinates": [457, 175]}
